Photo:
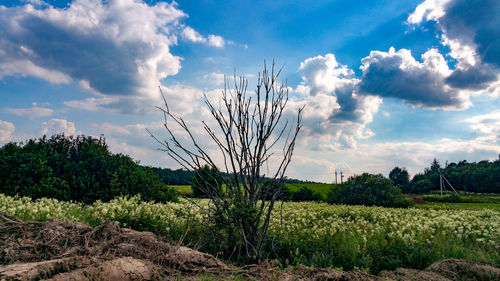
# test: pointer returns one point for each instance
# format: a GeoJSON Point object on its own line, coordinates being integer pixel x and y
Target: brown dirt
{"type": "Point", "coordinates": [57, 250]}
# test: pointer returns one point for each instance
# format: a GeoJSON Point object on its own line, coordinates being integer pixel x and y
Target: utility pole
{"type": "Point", "coordinates": [335, 176]}
{"type": "Point", "coordinates": [341, 178]}
{"type": "Point", "coordinates": [442, 185]}
{"type": "Point", "coordinates": [441, 182]}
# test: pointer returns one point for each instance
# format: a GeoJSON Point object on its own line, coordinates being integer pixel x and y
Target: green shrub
{"type": "Point", "coordinates": [271, 187]}
{"type": "Point", "coordinates": [75, 168]}
{"type": "Point", "coordinates": [369, 190]}
{"type": "Point", "coordinates": [422, 186]}
{"type": "Point", "coordinates": [305, 194]}
{"type": "Point", "coordinates": [207, 181]}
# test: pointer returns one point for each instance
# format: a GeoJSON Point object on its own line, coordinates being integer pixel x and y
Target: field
{"type": "Point", "coordinates": [461, 206]}
{"type": "Point", "coordinates": [320, 188]}
{"type": "Point", "coordinates": [316, 234]}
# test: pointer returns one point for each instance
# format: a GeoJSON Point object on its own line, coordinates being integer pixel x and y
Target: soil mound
{"type": "Point", "coordinates": [71, 250]}
{"type": "Point", "coordinates": [58, 250]}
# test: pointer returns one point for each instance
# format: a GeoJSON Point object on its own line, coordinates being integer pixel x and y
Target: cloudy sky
{"type": "Point", "coordinates": [385, 83]}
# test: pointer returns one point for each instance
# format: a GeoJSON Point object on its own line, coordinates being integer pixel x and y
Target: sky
{"type": "Point", "coordinates": [384, 83]}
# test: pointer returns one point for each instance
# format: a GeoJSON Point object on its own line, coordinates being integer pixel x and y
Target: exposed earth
{"type": "Point", "coordinates": [57, 250]}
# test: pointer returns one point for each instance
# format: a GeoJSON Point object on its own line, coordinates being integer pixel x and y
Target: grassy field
{"type": "Point", "coordinates": [320, 188]}
{"type": "Point", "coordinates": [460, 206]}
{"type": "Point", "coordinates": [183, 189]}
{"type": "Point", "coordinates": [314, 234]}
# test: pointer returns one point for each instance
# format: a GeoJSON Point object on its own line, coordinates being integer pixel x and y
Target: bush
{"type": "Point", "coordinates": [80, 169]}
{"type": "Point", "coordinates": [305, 194]}
{"type": "Point", "coordinates": [271, 187]}
{"type": "Point", "coordinates": [422, 186]}
{"type": "Point", "coordinates": [207, 181]}
{"type": "Point", "coordinates": [369, 190]}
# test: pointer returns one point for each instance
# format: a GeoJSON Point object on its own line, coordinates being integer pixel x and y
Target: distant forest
{"type": "Point", "coordinates": [185, 177]}
{"type": "Point", "coordinates": [480, 177]}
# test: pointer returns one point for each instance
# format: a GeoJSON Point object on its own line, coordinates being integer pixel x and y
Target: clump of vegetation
{"type": "Point", "coordinates": [275, 188]}
{"type": "Point", "coordinates": [421, 186]}
{"type": "Point", "coordinates": [479, 177]}
{"type": "Point", "coordinates": [207, 181]}
{"type": "Point", "coordinates": [305, 194]}
{"type": "Point", "coordinates": [400, 178]}
{"type": "Point", "coordinates": [75, 168]}
{"type": "Point", "coordinates": [369, 190]}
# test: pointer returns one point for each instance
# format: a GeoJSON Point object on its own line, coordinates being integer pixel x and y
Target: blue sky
{"type": "Point", "coordinates": [385, 83]}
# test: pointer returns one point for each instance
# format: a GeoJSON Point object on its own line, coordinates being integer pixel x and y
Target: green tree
{"type": "Point", "coordinates": [369, 190]}
{"type": "Point", "coordinates": [207, 182]}
{"type": "Point", "coordinates": [400, 178]}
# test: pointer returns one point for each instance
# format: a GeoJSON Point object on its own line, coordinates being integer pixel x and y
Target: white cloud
{"type": "Point", "coordinates": [488, 124]}
{"type": "Point", "coordinates": [115, 49]}
{"type": "Point", "coordinates": [214, 78]}
{"type": "Point", "coordinates": [33, 112]}
{"type": "Point", "coordinates": [192, 35]}
{"type": "Point", "coordinates": [428, 10]}
{"type": "Point", "coordinates": [398, 75]}
{"type": "Point", "coordinates": [325, 75]}
{"type": "Point", "coordinates": [6, 130]}
{"type": "Point", "coordinates": [10, 67]}
{"type": "Point", "coordinates": [215, 41]}
{"type": "Point", "coordinates": [471, 30]}
{"type": "Point", "coordinates": [58, 126]}
{"type": "Point", "coordinates": [335, 115]}
{"type": "Point", "coordinates": [90, 104]}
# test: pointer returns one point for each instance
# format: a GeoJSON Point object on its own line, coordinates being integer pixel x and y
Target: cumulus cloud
{"type": "Point", "coordinates": [215, 78]}
{"type": "Point", "coordinates": [335, 112]}
{"type": "Point", "coordinates": [192, 35]}
{"type": "Point", "coordinates": [471, 29]}
{"type": "Point", "coordinates": [6, 130]}
{"type": "Point", "coordinates": [216, 41]}
{"type": "Point", "coordinates": [398, 75]}
{"type": "Point", "coordinates": [33, 112]}
{"type": "Point", "coordinates": [324, 74]}
{"type": "Point", "coordinates": [113, 48]}
{"type": "Point", "coordinates": [488, 124]}
{"type": "Point", "coordinates": [58, 126]}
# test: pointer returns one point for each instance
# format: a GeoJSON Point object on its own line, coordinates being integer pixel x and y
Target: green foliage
{"type": "Point", "coordinates": [305, 194]}
{"type": "Point", "coordinates": [400, 178]}
{"type": "Point", "coordinates": [173, 177]}
{"type": "Point", "coordinates": [80, 169]}
{"type": "Point", "coordinates": [320, 188]}
{"type": "Point", "coordinates": [207, 181]}
{"type": "Point", "coordinates": [369, 190]}
{"type": "Point", "coordinates": [271, 187]}
{"type": "Point", "coordinates": [229, 228]}
{"type": "Point", "coordinates": [479, 177]}
{"type": "Point", "coordinates": [422, 186]}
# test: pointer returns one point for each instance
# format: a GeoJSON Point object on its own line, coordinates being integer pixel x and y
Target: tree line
{"type": "Point", "coordinates": [478, 177]}
{"type": "Point", "coordinates": [185, 177]}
